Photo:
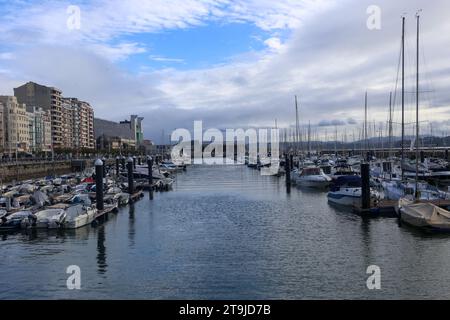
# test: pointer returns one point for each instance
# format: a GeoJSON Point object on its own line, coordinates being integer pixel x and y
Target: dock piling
{"type": "Point", "coordinates": [104, 167]}
{"type": "Point", "coordinates": [150, 175]}
{"type": "Point", "coordinates": [365, 192]}
{"type": "Point", "coordinates": [99, 184]}
{"type": "Point", "coordinates": [123, 163]}
{"type": "Point", "coordinates": [130, 176]}
{"type": "Point", "coordinates": [288, 174]}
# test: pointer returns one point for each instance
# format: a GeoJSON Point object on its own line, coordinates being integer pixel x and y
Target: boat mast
{"type": "Point", "coordinates": [309, 138]}
{"type": "Point", "coordinates": [297, 136]}
{"type": "Point", "coordinates": [417, 106]}
{"type": "Point", "coordinates": [403, 97]}
{"type": "Point", "coordinates": [366, 136]}
{"type": "Point", "coordinates": [390, 125]}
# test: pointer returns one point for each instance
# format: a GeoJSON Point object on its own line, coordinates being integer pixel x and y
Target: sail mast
{"type": "Point", "coordinates": [366, 135]}
{"type": "Point", "coordinates": [417, 106]}
{"type": "Point", "coordinates": [403, 97]}
{"type": "Point", "coordinates": [297, 136]}
{"type": "Point", "coordinates": [390, 125]}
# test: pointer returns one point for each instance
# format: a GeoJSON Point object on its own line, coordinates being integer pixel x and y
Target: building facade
{"type": "Point", "coordinates": [79, 120]}
{"type": "Point", "coordinates": [2, 129]}
{"type": "Point", "coordinates": [135, 125]}
{"type": "Point", "coordinates": [72, 120]}
{"type": "Point", "coordinates": [49, 99]}
{"type": "Point", "coordinates": [67, 125]}
{"type": "Point", "coordinates": [16, 125]}
{"type": "Point", "coordinates": [40, 130]}
{"type": "Point", "coordinates": [125, 135]}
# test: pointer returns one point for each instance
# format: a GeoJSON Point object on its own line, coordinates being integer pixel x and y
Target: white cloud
{"type": "Point", "coordinates": [6, 55]}
{"type": "Point", "coordinates": [330, 61]}
{"type": "Point", "coordinates": [104, 21]}
{"type": "Point", "coordinates": [118, 52]}
{"type": "Point", "coordinates": [274, 44]}
{"type": "Point", "coordinates": [165, 59]}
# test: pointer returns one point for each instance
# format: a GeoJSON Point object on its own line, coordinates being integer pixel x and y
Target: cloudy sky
{"type": "Point", "coordinates": [230, 63]}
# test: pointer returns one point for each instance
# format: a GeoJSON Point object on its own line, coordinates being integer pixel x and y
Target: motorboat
{"type": "Point", "coordinates": [49, 219]}
{"type": "Point", "coordinates": [122, 198]}
{"type": "Point", "coordinates": [14, 220]}
{"type": "Point", "coordinates": [342, 169]}
{"type": "Point", "coordinates": [347, 191]}
{"type": "Point", "coordinates": [78, 216]}
{"type": "Point", "coordinates": [396, 189]}
{"type": "Point", "coordinates": [424, 215]}
{"type": "Point", "coordinates": [312, 177]}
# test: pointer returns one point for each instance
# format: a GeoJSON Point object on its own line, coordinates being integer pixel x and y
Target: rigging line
{"type": "Point", "coordinates": [399, 65]}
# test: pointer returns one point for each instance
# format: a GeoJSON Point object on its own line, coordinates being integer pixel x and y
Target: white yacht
{"type": "Point", "coordinates": [347, 191]}
{"type": "Point", "coordinates": [312, 177]}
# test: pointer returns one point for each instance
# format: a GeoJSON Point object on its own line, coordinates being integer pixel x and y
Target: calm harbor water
{"type": "Point", "coordinates": [228, 233]}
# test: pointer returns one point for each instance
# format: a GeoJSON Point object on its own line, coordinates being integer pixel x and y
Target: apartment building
{"type": "Point", "coordinates": [67, 125]}
{"type": "Point", "coordinates": [49, 99]}
{"type": "Point", "coordinates": [82, 117]}
{"type": "Point", "coordinates": [16, 125]}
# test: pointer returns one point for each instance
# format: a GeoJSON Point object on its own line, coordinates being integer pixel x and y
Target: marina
{"type": "Point", "coordinates": [227, 232]}
{"type": "Point", "coordinates": [229, 156]}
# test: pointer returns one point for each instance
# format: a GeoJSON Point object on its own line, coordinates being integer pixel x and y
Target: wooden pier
{"type": "Point", "coordinates": [105, 211]}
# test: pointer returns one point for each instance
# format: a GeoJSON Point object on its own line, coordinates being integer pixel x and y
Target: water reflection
{"type": "Point", "coordinates": [131, 227]}
{"type": "Point", "coordinates": [228, 232]}
{"type": "Point", "coordinates": [101, 251]}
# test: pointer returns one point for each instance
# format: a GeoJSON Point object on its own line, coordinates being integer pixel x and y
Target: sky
{"type": "Point", "coordinates": [232, 63]}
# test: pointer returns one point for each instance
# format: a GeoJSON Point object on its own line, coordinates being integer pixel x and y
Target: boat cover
{"type": "Point", "coordinates": [432, 214]}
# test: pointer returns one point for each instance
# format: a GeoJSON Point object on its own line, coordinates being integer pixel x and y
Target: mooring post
{"type": "Point", "coordinates": [104, 167]}
{"type": "Point", "coordinates": [365, 193]}
{"type": "Point", "coordinates": [288, 173]}
{"type": "Point", "coordinates": [422, 156]}
{"type": "Point", "coordinates": [99, 184]}
{"type": "Point", "coordinates": [150, 170]}
{"type": "Point", "coordinates": [130, 176]}
{"type": "Point", "coordinates": [117, 166]}
{"type": "Point", "coordinates": [134, 162]}
{"type": "Point", "coordinates": [150, 175]}
{"type": "Point", "coordinates": [123, 163]}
